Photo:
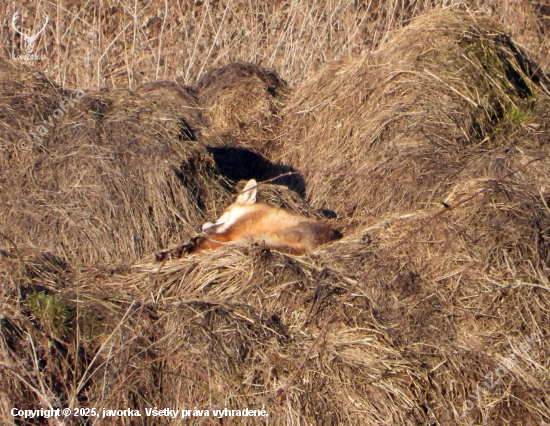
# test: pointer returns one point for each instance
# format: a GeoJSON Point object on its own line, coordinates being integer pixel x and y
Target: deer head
{"type": "Point", "coordinates": [29, 39]}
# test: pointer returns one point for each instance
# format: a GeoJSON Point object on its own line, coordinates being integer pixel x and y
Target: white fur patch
{"type": "Point", "coordinates": [226, 221]}
{"type": "Point", "coordinates": [208, 225]}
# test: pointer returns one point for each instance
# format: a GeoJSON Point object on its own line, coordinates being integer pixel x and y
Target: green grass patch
{"type": "Point", "coordinates": [51, 311]}
{"type": "Point", "coordinates": [519, 116]}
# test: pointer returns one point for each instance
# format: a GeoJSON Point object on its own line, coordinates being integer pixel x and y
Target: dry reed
{"type": "Point", "coordinates": [439, 110]}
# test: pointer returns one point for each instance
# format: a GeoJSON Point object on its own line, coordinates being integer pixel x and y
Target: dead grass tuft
{"type": "Point", "coordinates": [418, 113]}
{"type": "Point", "coordinates": [243, 102]}
{"type": "Point", "coordinates": [116, 177]}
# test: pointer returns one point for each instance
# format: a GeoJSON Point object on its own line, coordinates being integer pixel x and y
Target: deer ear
{"type": "Point", "coordinates": [248, 195]}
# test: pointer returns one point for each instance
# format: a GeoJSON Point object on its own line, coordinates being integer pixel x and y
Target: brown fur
{"type": "Point", "coordinates": [273, 228]}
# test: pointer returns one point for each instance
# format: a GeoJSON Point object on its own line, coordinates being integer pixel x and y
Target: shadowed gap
{"type": "Point", "coordinates": [237, 164]}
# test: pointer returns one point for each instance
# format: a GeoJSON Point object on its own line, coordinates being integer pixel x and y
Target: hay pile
{"type": "Point", "coordinates": [243, 102]}
{"type": "Point", "coordinates": [442, 93]}
{"type": "Point", "coordinates": [444, 108]}
{"type": "Point", "coordinates": [116, 176]}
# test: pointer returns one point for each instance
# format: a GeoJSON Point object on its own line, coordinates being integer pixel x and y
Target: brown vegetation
{"type": "Point", "coordinates": [436, 285]}
{"type": "Point", "coordinates": [119, 44]}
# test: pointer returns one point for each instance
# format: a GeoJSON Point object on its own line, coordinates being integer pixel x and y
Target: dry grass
{"type": "Point", "coordinates": [261, 95]}
{"type": "Point", "coordinates": [121, 44]}
{"type": "Point", "coordinates": [446, 92]}
{"type": "Point", "coordinates": [120, 175]}
{"type": "Point", "coordinates": [408, 125]}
